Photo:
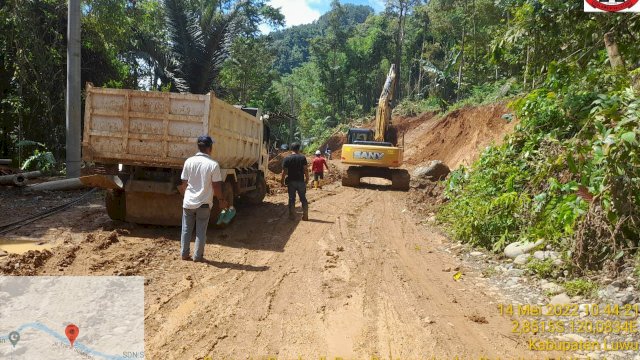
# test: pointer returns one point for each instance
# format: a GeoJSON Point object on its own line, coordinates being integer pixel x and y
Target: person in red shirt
{"type": "Point", "coordinates": [319, 163]}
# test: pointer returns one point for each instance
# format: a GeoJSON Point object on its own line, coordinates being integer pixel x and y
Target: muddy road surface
{"type": "Point", "coordinates": [362, 278]}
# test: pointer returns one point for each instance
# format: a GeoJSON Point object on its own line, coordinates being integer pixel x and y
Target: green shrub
{"type": "Point", "coordinates": [580, 287]}
{"type": "Point", "coordinates": [569, 174]}
{"type": "Point", "coordinates": [41, 159]}
{"type": "Point", "coordinates": [541, 268]}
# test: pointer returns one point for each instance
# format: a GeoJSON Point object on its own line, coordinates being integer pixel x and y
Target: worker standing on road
{"type": "Point", "coordinates": [317, 167]}
{"type": "Point", "coordinates": [201, 181]}
{"type": "Point", "coordinates": [295, 175]}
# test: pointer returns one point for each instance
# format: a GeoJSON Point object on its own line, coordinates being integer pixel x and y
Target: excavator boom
{"type": "Point", "coordinates": [383, 113]}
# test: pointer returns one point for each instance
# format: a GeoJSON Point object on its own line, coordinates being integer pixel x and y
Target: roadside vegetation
{"type": "Point", "coordinates": [568, 175]}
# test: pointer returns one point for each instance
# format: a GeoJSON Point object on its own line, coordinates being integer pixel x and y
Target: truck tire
{"type": "Point", "coordinates": [351, 177]}
{"type": "Point", "coordinates": [116, 204]}
{"type": "Point", "coordinates": [255, 197]}
{"type": "Point", "coordinates": [400, 179]}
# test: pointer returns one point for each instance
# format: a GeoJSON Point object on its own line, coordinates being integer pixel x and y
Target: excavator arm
{"type": "Point", "coordinates": [383, 113]}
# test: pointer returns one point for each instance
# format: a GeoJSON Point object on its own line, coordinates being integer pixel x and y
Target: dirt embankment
{"type": "Point", "coordinates": [459, 137]}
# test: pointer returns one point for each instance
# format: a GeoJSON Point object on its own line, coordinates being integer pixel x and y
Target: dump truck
{"type": "Point", "coordinates": [376, 153]}
{"type": "Point", "coordinates": [138, 142]}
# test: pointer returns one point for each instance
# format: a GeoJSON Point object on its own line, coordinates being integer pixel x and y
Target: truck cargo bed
{"type": "Point", "coordinates": [149, 128]}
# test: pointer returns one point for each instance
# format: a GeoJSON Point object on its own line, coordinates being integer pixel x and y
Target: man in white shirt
{"type": "Point", "coordinates": [201, 181]}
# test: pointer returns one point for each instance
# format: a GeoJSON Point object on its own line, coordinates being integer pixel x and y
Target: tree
{"type": "Point", "coordinates": [292, 45]}
{"type": "Point", "coordinates": [369, 52]}
{"type": "Point", "coordinates": [329, 53]}
{"type": "Point", "coordinates": [247, 74]}
{"type": "Point", "coordinates": [201, 33]}
{"type": "Point", "coordinates": [400, 9]}
{"type": "Point", "coordinates": [33, 63]}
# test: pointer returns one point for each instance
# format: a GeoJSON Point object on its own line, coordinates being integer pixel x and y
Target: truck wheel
{"type": "Point", "coordinates": [116, 205]}
{"type": "Point", "coordinates": [255, 197]}
{"type": "Point", "coordinates": [351, 177]}
{"type": "Point", "coordinates": [400, 179]}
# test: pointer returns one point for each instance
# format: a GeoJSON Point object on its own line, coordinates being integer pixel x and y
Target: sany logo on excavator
{"type": "Point", "coordinates": [368, 155]}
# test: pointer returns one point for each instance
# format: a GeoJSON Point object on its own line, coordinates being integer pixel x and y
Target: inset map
{"type": "Point", "coordinates": [71, 317]}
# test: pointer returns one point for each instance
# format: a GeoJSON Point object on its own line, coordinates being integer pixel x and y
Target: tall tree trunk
{"type": "Point", "coordinates": [461, 64]}
{"type": "Point", "coordinates": [418, 88]}
{"type": "Point", "coordinates": [615, 58]}
{"type": "Point", "coordinates": [526, 69]}
{"type": "Point", "coordinates": [475, 39]}
{"type": "Point", "coordinates": [462, 54]}
{"type": "Point", "coordinates": [398, 60]}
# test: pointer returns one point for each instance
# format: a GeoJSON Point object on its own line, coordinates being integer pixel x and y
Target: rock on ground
{"type": "Point", "coordinates": [522, 259]}
{"type": "Point", "coordinates": [436, 170]}
{"type": "Point", "coordinates": [560, 299]}
{"type": "Point", "coordinates": [552, 288]}
{"type": "Point", "coordinates": [543, 255]}
{"type": "Point", "coordinates": [518, 248]}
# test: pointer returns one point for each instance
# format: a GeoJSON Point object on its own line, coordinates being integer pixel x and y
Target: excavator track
{"type": "Point", "coordinates": [400, 178]}
{"type": "Point", "coordinates": [351, 177]}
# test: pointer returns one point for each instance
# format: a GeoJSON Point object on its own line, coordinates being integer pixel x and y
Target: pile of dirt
{"type": "Point", "coordinates": [275, 163]}
{"type": "Point", "coordinates": [26, 264]}
{"type": "Point", "coordinates": [457, 138]}
{"type": "Point", "coordinates": [273, 175]}
{"type": "Point", "coordinates": [273, 179]}
{"type": "Point", "coordinates": [334, 143]}
{"type": "Point", "coordinates": [273, 183]}
{"type": "Point", "coordinates": [426, 198]}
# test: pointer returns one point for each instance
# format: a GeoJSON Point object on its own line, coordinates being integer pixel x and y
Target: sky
{"type": "Point", "coordinates": [297, 12]}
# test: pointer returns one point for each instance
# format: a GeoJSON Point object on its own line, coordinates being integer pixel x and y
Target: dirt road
{"type": "Point", "coordinates": [361, 279]}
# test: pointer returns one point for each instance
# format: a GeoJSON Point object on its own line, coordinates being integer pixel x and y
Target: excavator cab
{"type": "Point", "coordinates": [357, 135]}
{"type": "Point", "coordinates": [364, 137]}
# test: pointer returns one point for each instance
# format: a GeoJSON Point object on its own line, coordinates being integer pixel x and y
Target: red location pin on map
{"type": "Point", "coordinates": [72, 332]}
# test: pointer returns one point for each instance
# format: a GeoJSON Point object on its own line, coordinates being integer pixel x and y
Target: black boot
{"type": "Point", "coordinates": [292, 212]}
{"type": "Point", "coordinates": [305, 213]}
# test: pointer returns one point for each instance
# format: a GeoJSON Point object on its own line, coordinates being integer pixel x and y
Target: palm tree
{"type": "Point", "coordinates": [200, 35]}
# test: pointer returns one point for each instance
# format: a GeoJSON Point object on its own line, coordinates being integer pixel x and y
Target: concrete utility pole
{"type": "Point", "coordinates": [73, 90]}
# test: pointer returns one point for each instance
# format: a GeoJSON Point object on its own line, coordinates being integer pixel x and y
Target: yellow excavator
{"type": "Point", "coordinates": [376, 153]}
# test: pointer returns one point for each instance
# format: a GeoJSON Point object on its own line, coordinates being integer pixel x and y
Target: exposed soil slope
{"type": "Point", "coordinates": [459, 137]}
{"type": "Point", "coordinates": [455, 139]}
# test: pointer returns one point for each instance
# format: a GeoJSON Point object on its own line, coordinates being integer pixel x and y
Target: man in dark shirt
{"type": "Point", "coordinates": [295, 175]}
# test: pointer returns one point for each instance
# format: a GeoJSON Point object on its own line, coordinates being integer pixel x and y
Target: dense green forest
{"type": "Point", "coordinates": [568, 175]}
{"type": "Point", "coordinates": [323, 74]}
